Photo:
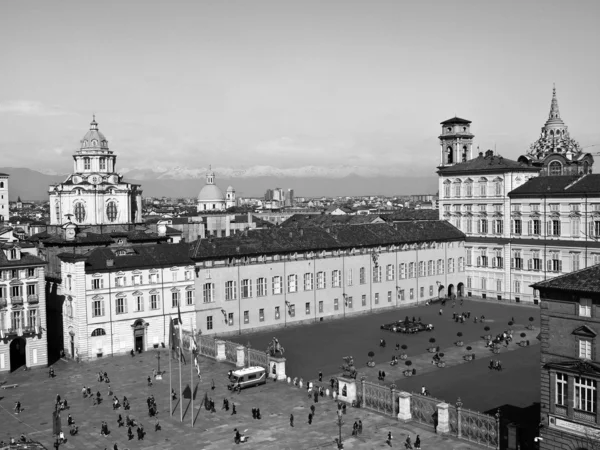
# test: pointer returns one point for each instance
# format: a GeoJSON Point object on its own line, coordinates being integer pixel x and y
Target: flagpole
{"type": "Point", "coordinates": [180, 356]}
{"type": "Point", "coordinates": [170, 374]}
{"type": "Point", "coordinates": [192, 369]}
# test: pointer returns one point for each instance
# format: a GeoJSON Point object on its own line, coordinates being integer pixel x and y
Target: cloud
{"type": "Point", "coordinates": [32, 108]}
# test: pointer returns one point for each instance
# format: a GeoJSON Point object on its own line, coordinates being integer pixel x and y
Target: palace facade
{"type": "Point", "coordinates": [525, 220]}
{"type": "Point", "coordinates": [122, 299]}
{"type": "Point", "coordinates": [283, 276]}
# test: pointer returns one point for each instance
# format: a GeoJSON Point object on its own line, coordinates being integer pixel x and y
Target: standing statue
{"type": "Point", "coordinates": [275, 347]}
{"type": "Point", "coordinates": [348, 367]}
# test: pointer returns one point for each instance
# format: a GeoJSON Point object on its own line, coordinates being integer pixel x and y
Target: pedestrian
{"type": "Point", "coordinates": [141, 431]}
{"type": "Point", "coordinates": [355, 428]}
{"type": "Point", "coordinates": [173, 394]}
{"type": "Point", "coordinates": [389, 438]}
{"type": "Point", "coordinates": [382, 375]}
{"type": "Point", "coordinates": [132, 353]}
{"type": "Point", "coordinates": [149, 381]}
{"type": "Point", "coordinates": [157, 426]}
{"type": "Point", "coordinates": [84, 392]}
{"type": "Point", "coordinates": [359, 426]}
{"type": "Point", "coordinates": [344, 408]}
{"type": "Point", "coordinates": [70, 420]}
{"type": "Point", "coordinates": [320, 376]}
{"type": "Point", "coordinates": [408, 443]}
{"type": "Point", "coordinates": [120, 421]}
{"type": "Point", "coordinates": [51, 372]}
{"type": "Point", "coordinates": [233, 411]}
{"type": "Point", "coordinates": [310, 418]}
{"type": "Point", "coordinates": [18, 407]}
{"type": "Point", "coordinates": [129, 432]}
{"type": "Point", "coordinates": [441, 311]}
{"type": "Point", "coordinates": [418, 440]}
{"type": "Point", "coordinates": [312, 409]}
{"type": "Point", "coordinates": [254, 413]}
{"type": "Point", "coordinates": [115, 447]}
{"type": "Point", "coordinates": [291, 420]}
{"type": "Point", "coordinates": [258, 413]}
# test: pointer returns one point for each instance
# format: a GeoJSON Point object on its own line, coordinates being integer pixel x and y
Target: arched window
{"type": "Point", "coordinates": [457, 188]}
{"type": "Point", "coordinates": [464, 153]}
{"type": "Point", "coordinates": [98, 332]}
{"type": "Point", "coordinates": [483, 187]}
{"type": "Point", "coordinates": [449, 159]}
{"type": "Point", "coordinates": [86, 164]}
{"type": "Point", "coordinates": [2, 184]}
{"type": "Point", "coordinates": [498, 188]}
{"type": "Point", "coordinates": [111, 211]}
{"type": "Point", "coordinates": [79, 212]}
{"type": "Point", "coordinates": [94, 142]}
{"type": "Point", "coordinates": [555, 168]}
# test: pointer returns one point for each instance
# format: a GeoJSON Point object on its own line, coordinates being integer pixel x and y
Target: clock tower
{"type": "Point", "coordinates": [94, 194]}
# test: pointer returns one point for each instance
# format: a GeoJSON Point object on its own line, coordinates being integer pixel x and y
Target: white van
{"type": "Point", "coordinates": [247, 377]}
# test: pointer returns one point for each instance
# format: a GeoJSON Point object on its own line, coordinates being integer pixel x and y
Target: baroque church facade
{"type": "Point", "coordinates": [525, 221]}
{"type": "Point", "coordinates": [95, 193]}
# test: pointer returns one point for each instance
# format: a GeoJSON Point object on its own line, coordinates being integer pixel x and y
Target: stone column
{"type": "Point", "coordinates": [277, 368]}
{"type": "Point", "coordinates": [220, 350]}
{"type": "Point", "coordinates": [404, 406]}
{"type": "Point", "coordinates": [241, 356]}
{"type": "Point", "coordinates": [459, 417]}
{"type": "Point", "coordinates": [443, 418]}
{"type": "Point", "coordinates": [393, 393]}
{"type": "Point", "coordinates": [347, 389]}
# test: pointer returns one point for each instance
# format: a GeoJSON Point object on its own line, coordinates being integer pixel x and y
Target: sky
{"type": "Point", "coordinates": [291, 84]}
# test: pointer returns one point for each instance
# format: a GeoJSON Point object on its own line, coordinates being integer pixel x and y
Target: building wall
{"type": "Point", "coordinates": [365, 298]}
{"type": "Point", "coordinates": [4, 205]}
{"type": "Point", "coordinates": [36, 344]}
{"type": "Point", "coordinates": [119, 328]}
{"type": "Point", "coordinates": [559, 318]}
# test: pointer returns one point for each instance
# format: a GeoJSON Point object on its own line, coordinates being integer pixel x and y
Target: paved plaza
{"type": "Point", "coordinates": [276, 400]}
{"type": "Point", "coordinates": [321, 346]}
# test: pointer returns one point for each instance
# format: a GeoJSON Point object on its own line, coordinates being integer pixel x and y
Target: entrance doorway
{"type": "Point", "coordinates": [138, 334]}
{"type": "Point", "coordinates": [460, 288]}
{"type": "Point", "coordinates": [450, 291]}
{"type": "Point", "coordinates": [17, 353]}
{"type": "Point", "coordinates": [441, 291]}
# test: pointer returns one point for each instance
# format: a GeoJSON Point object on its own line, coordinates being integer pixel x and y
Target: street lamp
{"type": "Point", "coordinates": [345, 303]}
{"type": "Point", "coordinates": [158, 373]}
{"type": "Point", "coordinates": [340, 422]}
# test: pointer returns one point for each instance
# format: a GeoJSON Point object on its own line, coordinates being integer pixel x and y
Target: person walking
{"type": "Point", "coordinates": [291, 420]}
{"type": "Point", "coordinates": [389, 438]}
{"type": "Point", "coordinates": [359, 426]}
{"type": "Point", "coordinates": [418, 440]}
{"type": "Point", "coordinates": [312, 409]}
{"type": "Point", "coordinates": [233, 411]}
{"type": "Point", "coordinates": [310, 418]}
{"type": "Point", "coordinates": [408, 443]}
{"type": "Point", "coordinates": [355, 428]}
{"type": "Point", "coordinates": [18, 407]}
{"type": "Point", "coordinates": [149, 381]}
{"type": "Point", "coordinates": [320, 376]}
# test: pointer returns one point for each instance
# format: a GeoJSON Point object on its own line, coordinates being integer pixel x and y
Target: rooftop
{"type": "Point", "coordinates": [584, 280]}
{"type": "Point", "coordinates": [455, 120]}
{"type": "Point", "coordinates": [557, 185]}
{"type": "Point", "coordinates": [314, 238]}
{"type": "Point", "coordinates": [485, 164]}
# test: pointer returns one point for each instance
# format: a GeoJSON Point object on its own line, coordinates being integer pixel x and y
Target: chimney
{"type": "Point", "coordinates": [110, 262]}
{"type": "Point", "coordinates": [489, 153]}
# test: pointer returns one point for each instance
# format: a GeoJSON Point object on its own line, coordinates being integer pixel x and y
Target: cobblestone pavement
{"type": "Point", "coordinates": [276, 400]}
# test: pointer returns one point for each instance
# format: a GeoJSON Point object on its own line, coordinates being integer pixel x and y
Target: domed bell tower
{"type": "Point", "coordinates": [456, 141]}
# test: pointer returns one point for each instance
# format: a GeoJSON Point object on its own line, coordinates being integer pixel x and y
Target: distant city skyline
{"type": "Point", "coordinates": [357, 86]}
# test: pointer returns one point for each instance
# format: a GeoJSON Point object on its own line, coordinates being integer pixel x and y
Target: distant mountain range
{"type": "Point", "coordinates": [183, 182]}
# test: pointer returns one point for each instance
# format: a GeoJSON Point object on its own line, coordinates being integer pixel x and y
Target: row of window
{"type": "Point", "coordinates": [136, 280]}
{"type": "Point", "coordinates": [583, 394]}
{"type": "Point", "coordinates": [19, 319]}
{"type": "Point", "coordinates": [87, 164]}
{"type": "Point", "coordinates": [517, 286]}
{"type": "Point", "coordinates": [122, 303]}
{"type": "Point", "coordinates": [455, 189]}
{"type": "Point", "coordinates": [248, 289]}
{"type": "Point", "coordinates": [518, 207]}
{"type": "Point", "coordinates": [17, 291]}
{"type": "Point", "coordinates": [17, 274]}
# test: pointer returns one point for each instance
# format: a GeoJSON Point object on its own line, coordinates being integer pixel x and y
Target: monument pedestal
{"type": "Point", "coordinates": [277, 368]}
{"type": "Point", "coordinates": [347, 389]}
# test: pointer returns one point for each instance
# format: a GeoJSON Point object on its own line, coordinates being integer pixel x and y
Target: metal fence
{"type": "Point", "coordinates": [231, 351]}
{"type": "Point", "coordinates": [207, 346]}
{"type": "Point", "coordinates": [377, 397]}
{"type": "Point", "coordinates": [479, 428]}
{"type": "Point", "coordinates": [424, 409]}
{"type": "Point", "coordinates": [257, 358]}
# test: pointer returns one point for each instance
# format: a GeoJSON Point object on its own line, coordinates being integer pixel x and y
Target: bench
{"type": "Point", "coordinates": [10, 386]}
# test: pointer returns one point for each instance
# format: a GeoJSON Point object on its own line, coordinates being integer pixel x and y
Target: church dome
{"type": "Point", "coordinates": [211, 193]}
{"type": "Point", "coordinates": [94, 139]}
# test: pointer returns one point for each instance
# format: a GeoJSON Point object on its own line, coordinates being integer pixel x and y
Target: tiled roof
{"type": "Point", "coordinates": [412, 214]}
{"type": "Point", "coordinates": [485, 164]}
{"type": "Point", "coordinates": [555, 185]}
{"type": "Point", "coordinates": [455, 120]}
{"type": "Point", "coordinates": [325, 220]}
{"type": "Point", "coordinates": [585, 280]}
{"type": "Point", "coordinates": [26, 260]}
{"type": "Point", "coordinates": [311, 238]}
{"type": "Point", "coordinates": [159, 255]}
{"type": "Point", "coordinates": [81, 238]}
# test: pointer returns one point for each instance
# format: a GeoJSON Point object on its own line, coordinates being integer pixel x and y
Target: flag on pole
{"type": "Point", "coordinates": [180, 344]}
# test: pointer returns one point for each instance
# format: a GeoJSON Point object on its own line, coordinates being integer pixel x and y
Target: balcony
{"type": "Point", "coordinates": [16, 300]}
{"type": "Point", "coordinates": [11, 333]}
{"type": "Point", "coordinates": [33, 298]}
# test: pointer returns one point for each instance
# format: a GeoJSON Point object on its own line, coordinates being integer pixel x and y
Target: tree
{"type": "Point", "coordinates": [523, 335]}
{"type": "Point", "coordinates": [432, 340]}
{"type": "Point", "coordinates": [371, 354]}
{"type": "Point", "coordinates": [408, 363]}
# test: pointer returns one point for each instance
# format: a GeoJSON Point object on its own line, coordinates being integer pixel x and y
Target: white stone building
{"type": "Point", "coordinates": [525, 220]}
{"type": "Point", "coordinates": [95, 193]}
{"type": "Point", "coordinates": [269, 278]}
{"type": "Point", "coordinates": [120, 299]}
{"type": "Point", "coordinates": [23, 331]}
{"type": "Point", "coordinates": [4, 202]}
